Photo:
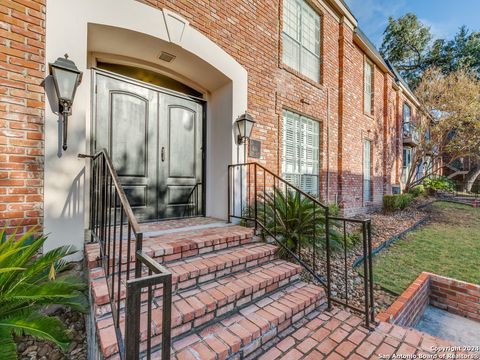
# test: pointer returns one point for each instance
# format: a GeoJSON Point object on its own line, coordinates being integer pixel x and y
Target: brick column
{"type": "Point", "coordinates": [22, 59]}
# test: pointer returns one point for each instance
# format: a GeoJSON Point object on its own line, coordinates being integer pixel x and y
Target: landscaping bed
{"type": "Point", "coordinates": [385, 227]}
{"type": "Point", "coordinates": [29, 348]}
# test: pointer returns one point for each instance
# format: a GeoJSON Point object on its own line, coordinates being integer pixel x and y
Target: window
{"type": "Point", "coordinates": [301, 38]}
{"type": "Point", "coordinates": [367, 170]}
{"type": "Point", "coordinates": [368, 88]}
{"type": "Point", "coordinates": [407, 162]}
{"type": "Point", "coordinates": [300, 151]}
{"type": "Point", "coordinates": [407, 116]}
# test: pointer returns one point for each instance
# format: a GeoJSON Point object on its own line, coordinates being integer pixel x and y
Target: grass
{"type": "Point", "coordinates": [449, 245]}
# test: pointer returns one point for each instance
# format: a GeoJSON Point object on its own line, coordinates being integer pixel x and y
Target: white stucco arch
{"type": "Point", "coordinates": [128, 29]}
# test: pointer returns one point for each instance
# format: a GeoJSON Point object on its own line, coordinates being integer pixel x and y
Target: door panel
{"type": "Point", "coordinates": [155, 141]}
{"type": "Point", "coordinates": [180, 173]}
{"type": "Point", "coordinates": [126, 125]}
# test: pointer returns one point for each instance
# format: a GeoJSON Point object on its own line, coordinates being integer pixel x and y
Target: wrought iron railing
{"type": "Point", "coordinates": [195, 201]}
{"type": "Point", "coordinates": [306, 233]}
{"type": "Point", "coordinates": [410, 131]}
{"type": "Point", "coordinates": [129, 272]}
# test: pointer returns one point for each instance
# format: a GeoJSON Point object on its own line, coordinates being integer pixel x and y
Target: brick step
{"type": "Point", "coordinates": [180, 245]}
{"type": "Point", "coordinates": [240, 334]}
{"type": "Point", "coordinates": [200, 269]}
{"type": "Point", "coordinates": [206, 302]}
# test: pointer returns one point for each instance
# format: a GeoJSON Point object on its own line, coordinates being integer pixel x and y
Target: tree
{"type": "Point", "coordinates": [453, 104]}
{"type": "Point", "coordinates": [409, 46]}
{"type": "Point", "coordinates": [406, 45]}
{"type": "Point", "coordinates": [462, 52]}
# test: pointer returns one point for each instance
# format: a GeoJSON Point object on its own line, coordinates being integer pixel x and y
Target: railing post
{"type": "Point", "coordinates": [370, 267]}
{"type": "Point", "coordinates": [132, 322]}
{"type": "Point", "coordinates": [255, 195]}
{"type": "Point", "coordinates": [167, 317]}
{"type": "Point", "coordinates": [327, 245]}
{"type": "Point", "coordinates": [229, 195]}
{"type": "Point", "coordinates": [138, 248]}
{"type": "Point", "coordinates": [365, 273]}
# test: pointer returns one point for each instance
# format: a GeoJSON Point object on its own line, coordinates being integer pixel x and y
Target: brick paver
{"type": "Point", "coordinates": [323, 338]}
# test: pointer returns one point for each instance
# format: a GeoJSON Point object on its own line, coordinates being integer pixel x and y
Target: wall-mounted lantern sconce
{"type": "Point", "coordinates": [244, 123]}
{"type": "Point", "coordinates": [66, 78]}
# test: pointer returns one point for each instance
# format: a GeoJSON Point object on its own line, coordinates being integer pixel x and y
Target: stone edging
{"type": "Point", "coordinates": [390, 241]}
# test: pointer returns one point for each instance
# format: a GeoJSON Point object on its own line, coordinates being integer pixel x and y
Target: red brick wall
{"type": "Point", "coordinates": [251, 33]}
{"type": "Point", "coordinates": [22, 51]}
{"type": "Point", "coordinates": [409, 307]}
{"type": "Point", "coordinates": [455, 296]}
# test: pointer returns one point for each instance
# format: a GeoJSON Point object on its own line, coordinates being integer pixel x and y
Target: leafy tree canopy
{"type": "Point", "coordinates": [409, 45]}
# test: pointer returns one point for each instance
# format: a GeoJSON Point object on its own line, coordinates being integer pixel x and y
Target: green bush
{"type": "Point", "coordinates": [397, 201]}
{"type": "Point", "coordinates": [28, 283]}
{"type": "Point", "coordinates": [296, 222]}
{"type": "Point", "coordinates": [417, 191]}
{"type": "Point", "coordinates": [438, 183]}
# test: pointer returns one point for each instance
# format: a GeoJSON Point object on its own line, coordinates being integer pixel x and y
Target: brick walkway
{"type": "Point", "coordinates": [341, 335]}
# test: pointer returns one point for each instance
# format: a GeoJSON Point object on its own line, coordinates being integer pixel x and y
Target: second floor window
{"type": "Point", "coordinates": [407, 117]}
{"type": "Point", "coordinates": [301, 38]}
{"type": "Point", "coordinates": [368, 88]}
{"type": "Point", "coordinates": [301, 151]}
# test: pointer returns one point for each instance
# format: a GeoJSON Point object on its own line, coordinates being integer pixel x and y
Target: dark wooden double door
{"type": "Point", "coordinates": [155, 140]}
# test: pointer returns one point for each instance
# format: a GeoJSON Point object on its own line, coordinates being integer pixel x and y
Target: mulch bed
{"type": "Point", "coordinates": [29, 348]}
{"type": "Point", "coordinates": [385, 226]}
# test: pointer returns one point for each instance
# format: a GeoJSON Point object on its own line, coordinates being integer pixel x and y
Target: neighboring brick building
{"type": "Point", "coordinates": [310, 76]}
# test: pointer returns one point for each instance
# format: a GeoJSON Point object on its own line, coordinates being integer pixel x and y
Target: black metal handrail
{"type": "Point", "coordinates": [194, 202]}
{"type": "Point", "coordinates": [114, 226]}
{"type": "Point", "coordinates": [259, 196]}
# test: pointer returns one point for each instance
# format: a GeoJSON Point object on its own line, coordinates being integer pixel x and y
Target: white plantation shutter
{"type": "Point", "coordinates": [407, 163]}
{"type": "Point", "coordinates": [367, 169]}
{"type": "Point", "coordinates": [368, 88]}
{"type": "Point", "coordinates": [300, 151]}
{"type": "Point", "coordinates": [301, 38]}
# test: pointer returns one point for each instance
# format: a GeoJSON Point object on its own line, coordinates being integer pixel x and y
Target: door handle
{"type": "Point", "coordinates": [163, 153]}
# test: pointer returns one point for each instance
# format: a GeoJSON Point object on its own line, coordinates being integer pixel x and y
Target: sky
{"type": "Point", "coordinates": [443, 16]}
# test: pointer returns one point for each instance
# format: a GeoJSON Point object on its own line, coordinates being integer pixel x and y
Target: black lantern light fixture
{"type": "Point", "coordinates": [66, 78]}
{"type": "Point", "coordinates": [245, 123]}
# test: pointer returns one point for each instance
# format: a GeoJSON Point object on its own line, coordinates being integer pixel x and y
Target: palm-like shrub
{"type": "Point", "coordinates": [28, 283]}
{"type": "Point", "coordinates": [296, 221]}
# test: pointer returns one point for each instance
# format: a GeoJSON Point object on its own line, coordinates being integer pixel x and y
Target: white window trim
{"type": "Point", "coordinates": [368, 63]}
{"type": "Point", "coordinates": [299, 68]}
{"type": "Point", "coordinates": [369, 198]}
{"type": "Point", "coordinates": [305, 173]}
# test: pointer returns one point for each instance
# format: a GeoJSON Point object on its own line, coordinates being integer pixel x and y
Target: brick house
{"type": "Point", "coordinates": [329, 110]}
{"type": "Point", "coordinates": [163, 85]}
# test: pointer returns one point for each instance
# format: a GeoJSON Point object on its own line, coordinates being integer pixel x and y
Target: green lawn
{"type": "Point", "coordinates": [449, 245]}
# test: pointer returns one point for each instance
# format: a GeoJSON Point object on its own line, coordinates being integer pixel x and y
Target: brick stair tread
{"type": "Point", "coordinates": [203, 268]}
{"type": "Point", "coordinates": [209, 301]}
{"type": "Point", "coordinates": [252, 326]}
{"type": "Point", "coordinates": [171, 247]}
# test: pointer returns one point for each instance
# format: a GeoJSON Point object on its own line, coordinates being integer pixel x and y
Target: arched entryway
{"type": "Point", "coordinates": [130, 33]}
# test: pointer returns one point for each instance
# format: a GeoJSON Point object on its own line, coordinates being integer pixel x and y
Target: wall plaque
{"type": "Point", "coordinates": [255, 149]}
